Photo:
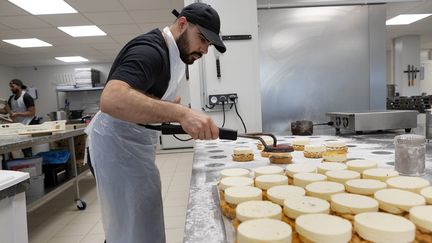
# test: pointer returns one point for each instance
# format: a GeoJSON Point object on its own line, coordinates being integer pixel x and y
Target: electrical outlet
{"type": "Point", "coordinates": [219, 99]}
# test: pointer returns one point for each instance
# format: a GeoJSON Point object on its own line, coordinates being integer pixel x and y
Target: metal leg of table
{"type": "Point", "coordinates": [81, 205]}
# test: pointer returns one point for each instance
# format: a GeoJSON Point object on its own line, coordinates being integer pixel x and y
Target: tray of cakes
{"type": "Point", "coordinates": [333, 201]}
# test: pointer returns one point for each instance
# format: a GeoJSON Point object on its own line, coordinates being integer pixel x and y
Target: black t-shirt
{"type": "Point", "coordinates": [143, 63]}
{"type": "Point", "coordinates": [28, 100]}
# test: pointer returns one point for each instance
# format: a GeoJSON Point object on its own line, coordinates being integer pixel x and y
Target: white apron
{"type": "Point", "coordinates": [128, 181]}
{"type": "Point", "coordinates": [19, 106]}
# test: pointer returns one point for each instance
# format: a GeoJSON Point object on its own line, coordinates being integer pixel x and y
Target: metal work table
{"type": "Point", "coordinates": [11, 143]}
{"type": "Point", "coordinates": [204, 222]}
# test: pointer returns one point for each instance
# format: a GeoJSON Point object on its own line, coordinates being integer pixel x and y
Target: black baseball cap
{"type": "Point", "coordinates": [18, 82]}
{"type": "Point", "coordinates": [207, 21]}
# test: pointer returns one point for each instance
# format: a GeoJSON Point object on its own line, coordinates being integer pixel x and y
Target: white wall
{"type": "Point", "coordinates": [426, 83]}
{"type": "Point", "coordinates": [239, 66]}
{"type": "Point", "coordinates": [406, 52]}
{"type": "Point", "coordinates": [46, 78]}
{"type": "Point", "coordinates": [6, 75]}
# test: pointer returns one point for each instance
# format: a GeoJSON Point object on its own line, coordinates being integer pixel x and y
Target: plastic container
{"type": "Point", "coordinates": [60, 156]}
{"type": "Point", "coordinates": [37, 187]}
{"type": "Point", "coordinates": [26, 164]}
{"type": "Point", "coordinates": [410, 150]}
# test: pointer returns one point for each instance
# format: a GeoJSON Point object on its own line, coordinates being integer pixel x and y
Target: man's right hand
{"type": "Point", "coordinates": [199, 125]}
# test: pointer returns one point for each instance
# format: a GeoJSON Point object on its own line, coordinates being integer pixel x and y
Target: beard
{"type": "Point", "coordinates": [183, 46]}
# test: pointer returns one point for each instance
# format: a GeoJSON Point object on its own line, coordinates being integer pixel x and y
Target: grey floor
{"type": "Point", "coordinates": [59, 220]}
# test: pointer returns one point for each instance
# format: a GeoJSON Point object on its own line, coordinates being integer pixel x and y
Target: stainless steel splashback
{"type": "Point", "coordinates": [315, 60]}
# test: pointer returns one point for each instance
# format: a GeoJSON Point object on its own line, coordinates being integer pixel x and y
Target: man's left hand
{"type": "Point", "coordinates": [14, 114]}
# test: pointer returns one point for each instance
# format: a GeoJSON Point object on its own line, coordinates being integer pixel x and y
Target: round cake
{"type": "Point", "coordinates": [397, 201]}
{"type": "Point", "coordinates": [314, 151]}
{"type": "Point", "coordinates": [336, 146]}
{"type": "Point", "coordinates": [280, 158]}
{"type": "Point", "coordinates": [384, 227]}
{"type": "Point", "coordinates": [409, 183]}
{"type": "Point", "coordinates": [427, 194]}
{"type": "Point", "coordinates": [258, 209]}
{"type": "Point", "coordinates": [361, 165]}
{"type": "Point", "coordinates": [304, 179]}
{"type": "Point", "coordinates": [242, 154]}
{"type": "Point", "coordinates": [264, 230]}
{"type": "Point", "coordinates": [324, 189]}
{"type": "Point", "coordinates": [293, 169]}
{"type": "Point", "coordinates": [365, 187]}
{"type": "Point", "coordinates": [235, 181]}
{"type": "Point", "coordinates": [268, 170]}
{"type": "Point", "coordinates": [296, 206]}
{"type": "Point", "coordinates": [422, 217]}
{"type": "Point", "coordinates": [239, 194]}
{"type": "Point", "coordinates": [328, 166]}
{"type": "Point", "coordinates": [300, 142]}
{"type": "Point", "coordinates": [234, 172]}
{"type": "Point", "coordinates": [278, 194]}
{"type": "Point", "coordinates": [379, 174]}
{"type": "Point", "coordinates": [341, 176]}
{"type": "Point", "coordinates": [266, 181]}
{"type": "Point", "coordinates": [324, 228]}
{"type": "Point", "coordinates": [347, 203]}
{"type": "Point", "coordinates": [334, 156]}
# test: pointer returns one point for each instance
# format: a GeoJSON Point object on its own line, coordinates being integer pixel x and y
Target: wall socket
{"type": "Point", "coordinates": [219, 99]}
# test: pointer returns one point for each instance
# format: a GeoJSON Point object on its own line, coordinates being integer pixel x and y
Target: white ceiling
{"type": "Point", "coordinates": [122, 20]}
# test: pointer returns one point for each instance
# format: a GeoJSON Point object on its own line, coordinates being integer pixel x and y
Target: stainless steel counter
{"type": "Point", "coordinates": [204, 220]}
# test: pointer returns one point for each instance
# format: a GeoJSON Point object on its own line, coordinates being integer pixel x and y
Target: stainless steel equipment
{"type": "Point", "coordinates": [374, 121]}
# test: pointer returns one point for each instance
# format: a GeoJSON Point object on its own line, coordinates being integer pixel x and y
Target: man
{"type": "Point", "coordinates": [20, 105]}
{"type": "Point", "coordinates": [141, 89]}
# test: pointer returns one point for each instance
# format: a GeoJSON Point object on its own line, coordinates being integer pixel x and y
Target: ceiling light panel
{"type": "Point", "coordinates": [72, 59]}
{"type": "Point", "coordinates": [404, 19]}
{"type": "Point", "coordinates": [41, 7]}
{"type": "Point", "coordinates": [81, 31]}
{"type": "Point", "coordinates": [27, 43]}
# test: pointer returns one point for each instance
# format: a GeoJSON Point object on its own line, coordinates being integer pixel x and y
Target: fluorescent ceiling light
{"type": "Point", "coordinates": [84, 30]}
{"type": "Point", "coordinates": [403, 19]}
{"type": "Point", "coordinates": [39, 7]}
{"type": "Point", "coordinates": [72, 59]}
{"type": "Point", "coordinates": [26, 43]}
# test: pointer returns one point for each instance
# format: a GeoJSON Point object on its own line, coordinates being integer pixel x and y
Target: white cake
{"type": "Point", "coordinates": [315, 148]}
{"type": "Point", "coordinates": [242, 150]}
{"type": "Point", "coordinates": [427, 194]}
{"type": "Point", "coordinates": [304, 179]}
{"type": "Point", "coordinates": [258, 209]}
{"type": "Point", "coordinates": [328, 166]}
{"type": "Point", "coordinates": [301, 141]}
{"type": "Point", "coordinates": [239, 194]}
{"type": "Point", "coordinates": [380, 174]}
{"type": "Point", "coordinates": [422, 217]}
{"type": "Point", "coordinates": [324, 189]}
{"type": "Point", "coordinates": [293, 169]}
{"type": "Point", "coordinates": [409, 183]}
{"type": "Point", "coordinates": [324, 228]}
{"type": "Point", "coordinates": [235, 181]}
{"type": "Point", "coordinates": [266, 181]}
{"type": "Point", "coordinates": [347, 203]}
{"type": "Point", "coordinates": [268, 170]}
{"type": "Point", "coordinates": [278, 194]}
{"type": "Point", "coordinates": [264, 230]}
{"type": "Point", "coordinates": [397, 201]}
{"type": "Point", "coordinates": [234, 172]}
{"type": "Point", "coordinates": [384, 227]}
{"type": "Point", "coordinates": [361, 165]}
{"type": "Point", "coordinates": [341, 176]}
{"type": "Point", "coordinates": [364, 186]}
{"type": "Point", "coordinates": [296, 206]}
